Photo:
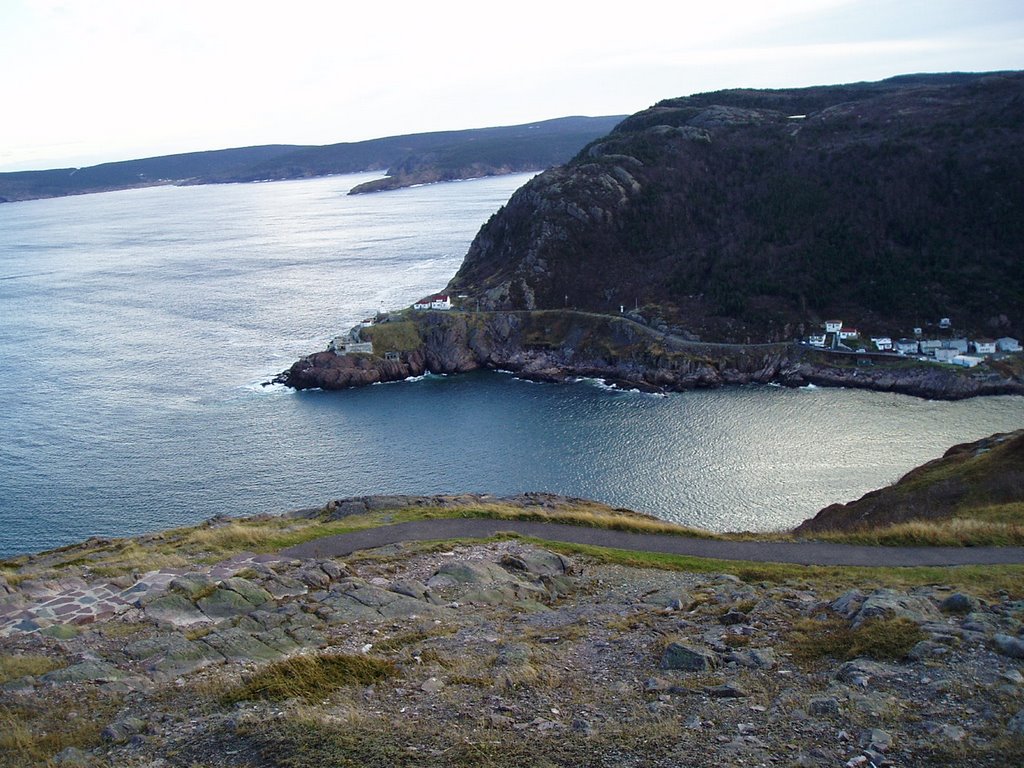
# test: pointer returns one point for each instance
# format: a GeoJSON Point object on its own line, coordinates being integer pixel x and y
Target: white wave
{"type": "Point", "coordinates": [267, 388]}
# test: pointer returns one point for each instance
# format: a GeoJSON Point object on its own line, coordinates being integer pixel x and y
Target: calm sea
{"type": "Point", "coordinates": [136, 327]}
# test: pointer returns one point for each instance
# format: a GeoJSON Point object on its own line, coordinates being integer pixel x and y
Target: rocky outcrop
{"type": "Point", "coordinates": [560, 345]}
{"type": "Point", "coordinates": [988, 472]}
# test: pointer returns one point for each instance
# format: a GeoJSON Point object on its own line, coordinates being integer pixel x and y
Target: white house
{"type": "Point", "coordinates": [945, 355]}
{"type": "Point", "coordinates": [437, 301]}
{"type": "Point", "coordinates": [984, 347]}
{"type": "Point", "coordinates": [928, 346]}
{"type": "Point", "coordinates": [1008, 344]}
{"type": "Point", "coordinates": [945, 323]}
{"type": "Point", "coordinates": [966, 361]}
{"type": "Point", "coordinates": [833, 326]}
{"type": "Point", "coordinates": [906, 346]}
{"type": "Point", "coordinates": [960, 345]}
{"type": "Point", "coordinates": [816, 341]}
{"type": "Point", "coordinates": [882, 343]}
{"type": "Point", "coordinates": [848, 333]}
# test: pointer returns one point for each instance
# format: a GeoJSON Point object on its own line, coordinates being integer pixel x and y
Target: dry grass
{"type": "Point", "coordinates": [311, 677]}
{"type": "Point", "coordinates": [31, 736]}
{"type": "Point", "coordinates": [15, 665]}
{"type": "Point", "coordinates": [882, 639]}
{"type": "Point", "coordinates": [951, 532]}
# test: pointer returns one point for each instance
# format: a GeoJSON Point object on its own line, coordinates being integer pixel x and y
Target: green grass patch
{"type": "Point", "coordinates": [403, 336]}
{"type": "Point", "coordinates": [15, 665]}
{"type": "Point", "coordinates": [311, 677]}
{"type": "Point", "coordinates": [881, 639]}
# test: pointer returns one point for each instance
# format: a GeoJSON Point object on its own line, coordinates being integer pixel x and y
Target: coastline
{"type": "Point", "coordinates": [558, 345]}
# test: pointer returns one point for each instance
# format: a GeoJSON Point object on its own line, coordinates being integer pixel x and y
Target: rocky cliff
{"type": "Point", "coordinates": [557, 345]}
{"type": "Point", "coordinates": [751, 216]}
{"type": "Point", "coordinates": [981, 480]}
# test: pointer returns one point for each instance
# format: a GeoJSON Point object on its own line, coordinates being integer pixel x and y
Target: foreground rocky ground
{"type": "Point", "coordinates": [502, 653]}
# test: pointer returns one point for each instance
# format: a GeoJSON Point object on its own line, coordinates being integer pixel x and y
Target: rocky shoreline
{"type": "Point", "coordinates": [557, 346]}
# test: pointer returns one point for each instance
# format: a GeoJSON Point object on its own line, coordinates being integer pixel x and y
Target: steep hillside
{"type": "Point", "coordinates": [753, 215]}
{"type": "Point", "coordinates": [983, 480]}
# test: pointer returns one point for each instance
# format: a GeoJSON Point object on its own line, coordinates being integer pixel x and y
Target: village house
{"type": "Point", "coordinates": [817, 340]}
{"type": "Point", "coordinates": [1008, 344]}
{"type": "Point", "coordinates": [833, 326]}
{"type": "Point", "coordinates": [848, 333]}
{"type": "Point", "coordinates": [882, 343]}
{"type": "Point", "coordinates": [928, 346]}
{"type": "Point", "coordinates": [960, 345]}
{"type": "Point", "coordinates": [906, 346]}
{"type": "Point", "coordinates": [437, 301]}
{"type": "Point", "coordinates": [945, 355]}
{"type": "Point", "coordinates": [966, 361]}
{"type": "Point", "coordinates": [984, 346]}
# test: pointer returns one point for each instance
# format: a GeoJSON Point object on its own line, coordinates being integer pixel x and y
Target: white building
{"type": "Point", "coordinates": [966, 361]}
{"type": "Point", "coordinates": [848, 333]}
{"type": "Point", "coordinates": [882, 343]}
{"type": "Point", "coordinates": [960, 345]}
{"type": "Point", "coordinates": [437, 301]}
{"type": "Point", "coordinates": [928, 346]}
{"type": "Point", "coordinates": [833, 326]}
{"type": "Point", "coordinates": [1008, 344]}
{"type": "Point", "coordinates": [816, 341]}
{"type": "Point", "coordinates": [945, 323]}
{"type": "Point", "coordinates": [945, 355]}
{"type": "Point", "coordinates": [984, 347]}
{"type": "Point", "coordinates": [906, 346]}
{"type": "Point", "coordinates": [344, 345]}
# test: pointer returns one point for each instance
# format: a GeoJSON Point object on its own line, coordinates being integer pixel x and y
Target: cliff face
{"type": "Point", "coordinates": [987, 473]}
{"type": "Point", "coordinates": [749, 216]}
{"type": "Point", "coordinates": [558, 345]}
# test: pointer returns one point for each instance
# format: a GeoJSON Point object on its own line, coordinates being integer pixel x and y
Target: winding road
{"type": "Point", "coordinates": [801, 553]}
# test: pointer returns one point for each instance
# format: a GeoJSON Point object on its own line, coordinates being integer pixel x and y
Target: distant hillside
{"type": "Point", "coordinates": [416, 158]}
{"type": "Point", "coordinates": [983, 480]}
{"type": "Point", "coordinates": [751, 215]}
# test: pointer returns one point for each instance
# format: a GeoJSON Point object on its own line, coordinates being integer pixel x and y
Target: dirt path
{"type": "Point", "coordinates": [804, 553]}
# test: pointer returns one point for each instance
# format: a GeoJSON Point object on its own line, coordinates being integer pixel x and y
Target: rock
{"type": "Point", "coordinates": [252, 593]}
{"type": "Point", "coordinates": [889, 603]}
{"type": "Point", "coordinates": [754, 658]}
{"type": "Point", "coordinates": [860, 671]}
{"type": "Point", "coordinates": [823, 706]}
{"type": "Point", "coordinates": [193, 585]}
{"type": "Point", "coordinates": [959, 603]}
{"type": "Point", "coordinates": [927, 649]}
{"type": "Point", "coordinates": [313, 577]}
{"type": "Point", "coordinates": [431, 685]}
{"type": "Point", "coordinates": [453, 573]}
{"type": "Point", "coordinates": [225, 603]}
{"type": "Point", "coordinates": [952, 732]}
{"type": "Point", "coordinates": [1009, 646]}
{"type": "Point", "coordinates": [72, 757]}
{"type": "Point", "coordinates": [538, 562]}
{"type": "Point", "coordinates": [237, 645]}
{"type": "Point", "coordinates": [86, 671]}
{"type": "Point", "coordinates": [174, 609]}
{"type": "Point", "coordinates": [732, 617]}
{"type": "Point", "coordinates": [121, 731]}
{"type": "Point", "coordinates": [689, 658]}
{"type": "Point", "coordinates": [1015, 726]}
{"type": "Point", "coordinates": [726, 691]}
{"type": "Point", "coordinates": [876, 739]}
{"type": "Point", "coordinates": [334, 570]}
{"type": "Point", "coordinates": [672, 598]}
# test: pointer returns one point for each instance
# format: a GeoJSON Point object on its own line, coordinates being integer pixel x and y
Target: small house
{"type": "Point", "coordinates": [816, 341]}
{"type": "Point", "coordinates": [906, 346]}
{"type": "Point", "coordinates": [928, 346]}
{"type": "Point", "coordinates": [848, 333]}
{"type": "Point", "coordinates": [833, 326]}
{"type": "Point", "coordinates": [437, 301]}
{"type": "Point", "coordinates": [960, 345]}
{"type": "Point", "coordinates": [882, 343]}
{"type": "Point", "coordinates": [945, 355]}
{"type": "Point", "coordinates": [945, 323]}
{"type": "Point", "coordinates": [966, 361]}
{"type": "Point", "coordinates": [984, 346]}
{"type": "Point", "coordinates": [1007, 344]}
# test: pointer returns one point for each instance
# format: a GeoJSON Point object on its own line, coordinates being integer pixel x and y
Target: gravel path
{"type": "Point", "coordinates": [803, 553]}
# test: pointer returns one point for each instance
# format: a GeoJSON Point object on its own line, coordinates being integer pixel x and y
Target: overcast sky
{"type": "Point", "coordinates": [87, 81]}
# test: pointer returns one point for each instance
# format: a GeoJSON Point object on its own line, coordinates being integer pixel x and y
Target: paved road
{"type": "Point", "coordinates": [804, 553]}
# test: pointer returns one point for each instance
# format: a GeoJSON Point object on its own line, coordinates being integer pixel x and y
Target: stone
{"type": "Point", "coordinates": [927, 649]}
{"type": "Point", "coordinates": [1009, 646]}
{"type": "Point", "coordinates": [890, 603]}
{"type": "Point", "coordinates": [85, 671]}
{"type": "Point", "coordinates": [237, 645]}
{"type": "Point", "coordinates": [689, 658]}
{"type": "Point", "coordinates": [313, 577]}
{"type": "Point", "coordinates": [431, 685]}
{"type": "Point", "coordinates": [753, 658]}
{"type": "Point", "coordinates": [823, 706]}
{"type": "Point", "coordinates": [671, 598]}
{"type": "Point", "coordinates": [458, 572]}
{"type": "Point", "coordinates": [538, 562]}
{"type": "Point", "coordinates": [72, 757]}
{"type": "Point", "coordinates": [876, 739]}
{"type": "Point", "coordinates": [176, 610]}
{"type": "Point", "coordinates": [726, 691]}
{"type": "Point", "coordinates": [334, 570]}
{"type": "Point", "coordinates": [860, 671]}
{"type": "Point", "coordinates": [284, 586]}
{"type": "Point", "coordinates": [224, 603]}
{"type": "Point", "coordinates": [121, 731]}
{"type": "Point", "coordinates": [192, 585]}
{"type": "Point", "coordinates": [959, 603]}
{"type": "Point", "coordinates": [1015, 726]}
{"type": "Point", "coordinates": [252, 593]}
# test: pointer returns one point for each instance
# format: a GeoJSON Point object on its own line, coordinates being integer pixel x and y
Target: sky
{"type": "Point", "coordinates": [90, 81]}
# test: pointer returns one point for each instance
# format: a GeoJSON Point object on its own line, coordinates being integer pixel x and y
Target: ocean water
{"type": "Point", "coordinates": [136, 328]}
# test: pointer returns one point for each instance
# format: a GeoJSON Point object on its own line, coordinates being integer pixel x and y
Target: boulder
{"type": "Point", "coordinates": [688, 658]}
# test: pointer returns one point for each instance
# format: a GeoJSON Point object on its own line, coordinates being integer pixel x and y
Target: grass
{"type": "Point", "coordinates": [882, 639]}
{"type": "Point", "coordinates": [993, 526]}
{"type": "Point", "coordinates": [13, 666]}
{"type": "Point", "coordinates": [31, 735]}
{"type": "Point", "coordinates": [311, 677]}
{"type": "Point", "coordinates": [403, 336]}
